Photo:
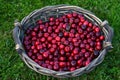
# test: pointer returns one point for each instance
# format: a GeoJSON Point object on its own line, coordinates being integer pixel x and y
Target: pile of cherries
{"type": "Point", "coordinates": [65, 43]}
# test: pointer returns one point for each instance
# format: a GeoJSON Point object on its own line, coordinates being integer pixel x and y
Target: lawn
{"type": "Point", "coordinates": [13, 68]}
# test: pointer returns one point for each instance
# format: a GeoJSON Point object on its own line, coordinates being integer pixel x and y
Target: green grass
{"type": "Point", "coordinates": [13, 68]}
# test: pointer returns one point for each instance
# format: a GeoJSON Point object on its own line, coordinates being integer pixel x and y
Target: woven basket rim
{"type": "Point", "coordinates": [76, 72]}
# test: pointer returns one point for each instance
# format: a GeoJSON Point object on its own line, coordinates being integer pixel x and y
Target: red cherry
{"type": "Point", "coordinates": [76, 20]}
{"type": "Point", "coordinates": [34, 38]}
{"type": "Point", "coordinates": [33, 57]}
{"type": "Point", "coordinates": [90, 24]}
{"type": "Point", "coordinates": [56, 19]}
{"type": "Point", "coordinates": [62, 64]}
{"type": "Point", "coordinates": [44, 65]}
{"type": "Point", "coordinates": [79, 62]}
{"type": "Point", "coordinates": [87, 54]}
{"type": "Point", "coordinates": [62, 52]}
{"type": "Point", "coordinates": [56, 30]}
{"type": "Point", "coordinates": [49, 38]}
{"type": "Point", "coordinates": [76, 44]}
{"type": "Point", "coordinates": [45, 54]}
{"type": "Point", "coordinates": [57, 38]}
{"type": "Point", "coordinates": [87, 62]}
{"type": "Point", "coordinates": [52, 50]}
{"type": "Point", "coordinates": [82, 36]}
{"type": "Point", "coordinates": [72, 68]}
{"type": "Point", "coordinates": [50, 57]}
{"type": "Point", "coordinates": [69, 15]}
{"type": "Point", "coordinates": [70, 58]}
{"type": "Point", "coordinates": [80, 31]}
{"type": "Point", "coordinates": [82, 45]}
{"type": "Point", "coordinates": [81, 54]}
{"type": "Point", "coordinates": [69, 39]}
{"type": "Point", "coordinates": [47, 61]}
{"type": "Point", "coordinates": [36, 29]}
{"type": "Point", "coordinates": [66, 42]}
{"type": "Point", "coordinates": [85, 23]}
{"type": "Point", "coordinates": [76, 57]}
{"type": "Point", "coordinates": [36, 60]}
{"type": "Point", "coordinates": [54, 46]}
{"type": "Point", "coordinates": [67, 49]}
{"type": "Point", "coordinates": [66, 20]}
{"type": "Point", "coordinates": [54, 35]}
{"type": "Point", "coordinates": [83, 50]}
{"type": "Point", "coordinates": [85, 41]}
{"type": "Point", "coordinates": [66, 34]}
{"type": "Point", "coordinates": [49, 45]}
{"type": "Point", "coordinates": [64, 25]}
{"type": "Point", "coordinates": [51, 19]}
{"type": "Point", "coordinates": [73, 25]}
{"type": "Point", "coordinates": [68, 64]}
{"type": "Point", "coordinates": [44, 45]}
{"type": "Point", "coordinates": [39, 34]}
{"type": "Point", "coordinates": [39, 21]}
{"type": "Point", "coordinates": [74, 39]}
{"type": "Point", "coordinates": [87, 46]}
{"type": "Point", "coordinates": [26, 42]}
{"type": "Point", "coordinates": [28, 31]}
{"type": "Point", "coordinates": [61, 46]}
{"type": "Point", "coordinates": [75, 51]}
{"type": "Point", "coordinates": [89, 40]}
{"type": "Point", "coordinates": [37, 43]}
{"type": "Point", "coordinates": [46, 35]}
{"type": "Point", "coordinates": [53, 41]}
{"type": "Point", "coordinates": [71, 35]}
{"type": "Point", "coordinates": [62, 58]}
{"type": "Point", "coordinates": [42, 39]}
{"type": "Point", "coordinates": [98, 47]}
{"type": "Point", "coordinates": [51, 63]}
{"type": "Point", "coordinates": [60, 19]}
{"type": "Point", "coordinates": [98, 43]}
{"type": "Point", "coordinates": [29, 54]}
{"type": "Point", "coordinates": [51, 23]}
{"type": "Point", "coordinates": [56, 54]}
{"type": "Point", "coordinates": [80, 23]}
{"type": "Point", "coordinates": [50, 67]}
{"type": "Point", "coordinates": [67, 54]}
{"type": "Point", "coordinates": [46, 24]}
{"type": "Point", "coordinates": [56, 67]}
{"type": "Point", "coordinates": [91, 49]}
{"type": "Point", "coordinates": [63, 39]}
{"type": "Point", "coordinates": [55, 61]}
{"type": "Point", "coordinates": [82, 19]}
{"type": "Point", "coordinates": [57, 23]}
{"type": "Point", "coordinates": [41, 27]}
{"type": "Point", "coordinates": [39, 47]}
{"type": "Point", "coordinates": [77, 35]}
{"type": "Point", "coordinates": [102, 38]}
{"type": "Point", "coordinates": [40, 57]}
{"type": "Point", "coordinates": [73, 63]}
{"type": "Point", "coordinates": [33, 33]}
{"type": "Point", "coordinates": [74, 14]}
{"type": "Point", "coordinates": [50, 29]}
{"type": "Point", "coordinates": [97, 29]}
{"type": "Point", "coordinates": [71, 20]}
{"type": "Point", "coordinates": [35, 51]}
{"type": "Point", "coordinates": [71, 47]}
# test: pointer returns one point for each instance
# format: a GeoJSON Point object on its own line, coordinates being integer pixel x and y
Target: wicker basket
{"type": "Point", "coordinates": [56, 11]}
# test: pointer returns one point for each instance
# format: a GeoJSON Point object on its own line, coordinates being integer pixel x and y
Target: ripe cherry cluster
{"type": "Point", "coordinates": [65, 43]}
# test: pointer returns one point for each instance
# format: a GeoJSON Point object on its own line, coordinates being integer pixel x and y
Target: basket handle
{"type": "Point", "coordinates": [109, 33]}
{"type": "Point", "coordinates": [16, 36]}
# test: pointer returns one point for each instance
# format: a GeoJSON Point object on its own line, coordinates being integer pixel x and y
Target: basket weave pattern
{"type": "Point", "coordinates": [56, 11]}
